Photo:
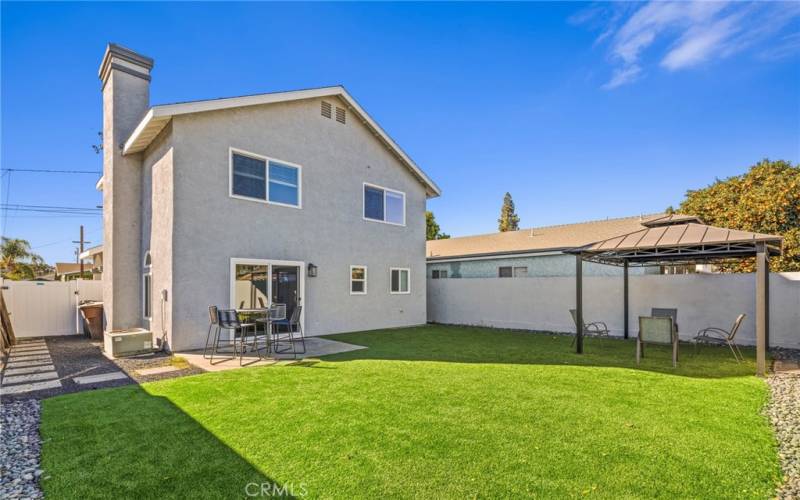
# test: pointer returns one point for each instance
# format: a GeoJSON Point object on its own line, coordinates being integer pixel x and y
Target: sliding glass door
{"type": "Point", "coordinates": [259, 283]}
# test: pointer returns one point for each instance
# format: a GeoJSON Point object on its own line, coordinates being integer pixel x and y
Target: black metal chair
{"type": "Point", "coordinates": [213, 324]}
{"type": "Point", "coordinates": [288, 336]}
{"type": "Point", "coordinates": [228, 319]}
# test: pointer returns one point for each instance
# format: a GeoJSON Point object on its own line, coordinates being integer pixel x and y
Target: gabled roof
{"type": "Point", "coordinates": [159, 116]}
{"type": "Point", "coordinates": [538, 239]}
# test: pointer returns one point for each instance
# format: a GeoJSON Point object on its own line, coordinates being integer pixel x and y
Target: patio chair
{"type": "Point", "coordinates": [657, 330]}
{"type": "Point", "coordinates": [228, 319]}
{"type": "Point", "coordinates": [291, 324]}
{"type": "Point", "coordinates": [595, 328]}
{"type": "Point", "coordinates": [213, 324]}
{"type": "Point", "coordinates": [658, 312]}
{"type": "Point", "coordinates": [719, 336]}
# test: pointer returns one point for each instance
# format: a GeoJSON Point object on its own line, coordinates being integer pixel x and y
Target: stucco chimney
{"type": "Point", "coordinates": [125, 77]}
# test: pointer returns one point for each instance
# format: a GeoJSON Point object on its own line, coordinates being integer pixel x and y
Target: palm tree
{"type": "Point", "coordinates": [17, 261]}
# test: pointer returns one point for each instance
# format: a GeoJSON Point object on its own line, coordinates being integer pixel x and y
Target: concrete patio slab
{"type": "Point", "coordinates": [315, 347]}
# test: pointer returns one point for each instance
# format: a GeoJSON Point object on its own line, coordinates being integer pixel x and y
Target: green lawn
{"type": "Point", "coordinates": [427, 412]}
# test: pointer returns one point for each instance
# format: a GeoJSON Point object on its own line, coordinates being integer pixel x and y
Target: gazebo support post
{"type": "Point", "coordinates": [762, 308]}
{"type": "Point", "coordinates": [625, 299]}
{"type": "Point", "coordinates": [579, 303]}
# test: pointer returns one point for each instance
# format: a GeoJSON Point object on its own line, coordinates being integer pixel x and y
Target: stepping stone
{"type": "Point", "coordinates": [37, 357]}
{"type": "Point", "coordinates": [34, 362]}
{"type": "Point", "coordinates": [30, 377]}
{"type": "Point", "coordinates": [38, 352]}
{"type": "Point", "coordinates": [103, 377]}
{"type": "Point", "coordinates": [35, 386]}
{"type": "Point", "coordinates": [157, 370]}
{"type": "Point", "coordinates": [28, 369]}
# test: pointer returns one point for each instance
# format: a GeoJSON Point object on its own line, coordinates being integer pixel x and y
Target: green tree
{"type": "Point", "coordinates": [509, 220]}
{"type": "Point", "coordinates": [765, 199]}
{"type": "Point", "coordinates": [432, 230]}
{"type": "Point", "coordinates": [18, 262]}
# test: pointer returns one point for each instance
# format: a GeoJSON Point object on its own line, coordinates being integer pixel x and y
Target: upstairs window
{"type": "Point", "coordinates": [263, 179]}
{"type": "Point", "coordinates": [520, 271]}
{"type": "Point", "coordinates": [384, 205]}
{"type": "Point", "coordinates": [504, 272]}
{"type": "Point", "coordinates": [439, 274]}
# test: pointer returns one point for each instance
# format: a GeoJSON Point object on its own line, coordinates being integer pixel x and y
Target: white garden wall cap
{"type": "Point", "coordinates": [159, 116]}
{"type": "Point", "coordinates": [536, 240]}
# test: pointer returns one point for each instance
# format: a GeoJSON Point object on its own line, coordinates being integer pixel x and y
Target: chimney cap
{"type": "Point", "coordinates": [123, 58]}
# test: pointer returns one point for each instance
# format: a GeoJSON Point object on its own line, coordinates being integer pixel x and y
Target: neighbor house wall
{"type": "Point", "coordinates": [329, 231]}
{"type": "Point", "coordinates": [538, 265]}
{"type": "Point", "coordinates": [702, 300]}
{"type": "Point", "coordinates": [156, 237]}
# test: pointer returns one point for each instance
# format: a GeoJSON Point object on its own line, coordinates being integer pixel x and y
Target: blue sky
{"type": "Point", "coordinates": [581, 111]}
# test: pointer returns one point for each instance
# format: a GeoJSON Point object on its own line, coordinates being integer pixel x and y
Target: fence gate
{"type": "Point", "coordinates": [47, 308]}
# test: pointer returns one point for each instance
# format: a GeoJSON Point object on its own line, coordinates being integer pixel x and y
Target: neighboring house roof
{"type": "Point", "coordinates": [89, 252]}
{"type": "Point", "coordinates": [65, 268]}
{"type": "Point", "coordinates": [159, 116]}
{"type": "Point", "coordinates": [540, 239]}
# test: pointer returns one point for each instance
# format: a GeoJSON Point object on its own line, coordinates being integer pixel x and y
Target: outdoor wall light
{"type": "Point", "coordinates": [312, 270]}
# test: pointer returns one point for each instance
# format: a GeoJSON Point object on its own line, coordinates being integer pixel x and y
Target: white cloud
{"type": "Point", "coordinates": [693, 32]}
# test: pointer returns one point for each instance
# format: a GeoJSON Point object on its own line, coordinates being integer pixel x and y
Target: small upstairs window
{"type": "Point", "coordinates": [504, 272]}
{"type": "Point", "coordinates": [384, 205]}
{"type": "Point", "coordinates": [439, 274]}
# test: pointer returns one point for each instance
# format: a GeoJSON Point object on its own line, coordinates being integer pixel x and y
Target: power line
{"type": "Point", "coordinates": [49, 171]}
{"type": "Point", "coordinates": [5, 213]}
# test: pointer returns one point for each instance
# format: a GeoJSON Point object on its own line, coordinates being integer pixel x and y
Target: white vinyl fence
{"type": "Point", "coordinates": [702, 300]}
{"type": "Point", "coordinates": [46, 308]}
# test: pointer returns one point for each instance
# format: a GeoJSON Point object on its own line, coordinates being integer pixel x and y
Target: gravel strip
{"type": "Point", "coordinates": [19, 450]}
{"type": "Point", "coordinates": [784, 412]}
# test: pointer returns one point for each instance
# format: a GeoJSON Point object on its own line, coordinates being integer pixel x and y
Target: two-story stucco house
{"type": "Point", "coordinates": [291, 197]}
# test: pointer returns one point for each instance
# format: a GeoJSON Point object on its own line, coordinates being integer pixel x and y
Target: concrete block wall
{"type": "Point", "coordinates": [702, 300]}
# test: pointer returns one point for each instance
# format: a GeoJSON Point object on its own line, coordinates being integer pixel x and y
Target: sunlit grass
{"type": "Point", "coordinates": [440, 412]}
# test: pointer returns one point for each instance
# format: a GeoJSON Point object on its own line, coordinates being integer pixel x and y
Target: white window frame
{"type": "Point", "coordinates": [266, 160]}
{"type": "Point", "coordinates": [366, 275]}
{"type": "Point", "coordinates": [399, 282]}
{"type": "Point", "coordinates": [385, 190]}
{"type": "Point", "coordinates": [301, 278]}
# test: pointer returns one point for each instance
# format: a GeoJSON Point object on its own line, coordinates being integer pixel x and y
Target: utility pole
{"type": "Point", "coordinates": [80, 250]}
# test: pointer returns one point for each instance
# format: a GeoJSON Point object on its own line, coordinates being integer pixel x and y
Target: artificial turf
{"type": "Point", "coordinates": [434, 411]}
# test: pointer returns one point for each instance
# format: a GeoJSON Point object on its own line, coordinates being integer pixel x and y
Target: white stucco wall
{"type": "Point", "coordinates": [702, 300]}
{"type": "Point", "coordinates": [210, 227]}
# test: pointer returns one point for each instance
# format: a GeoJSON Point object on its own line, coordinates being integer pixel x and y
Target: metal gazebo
{"type": "Point", "coordinates": [680, 239]}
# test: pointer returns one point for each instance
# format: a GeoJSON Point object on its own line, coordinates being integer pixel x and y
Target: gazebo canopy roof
{"type": "Point", "coordinates": [678, 239]}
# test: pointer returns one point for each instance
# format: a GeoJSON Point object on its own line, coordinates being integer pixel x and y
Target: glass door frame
{"type": "Point", "coordinates": [301, 280]}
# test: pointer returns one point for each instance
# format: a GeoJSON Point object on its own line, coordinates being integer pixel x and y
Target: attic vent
{"type": "Point", "coordinates": [326, 109]}
{"type": "Point", "coordinates": [340, 114]}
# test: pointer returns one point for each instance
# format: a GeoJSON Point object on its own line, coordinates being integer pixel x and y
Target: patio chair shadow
{"type": "Point", "coordinates": [464, 344]}
{"type": "Point", "coordinates": [127, 443]}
